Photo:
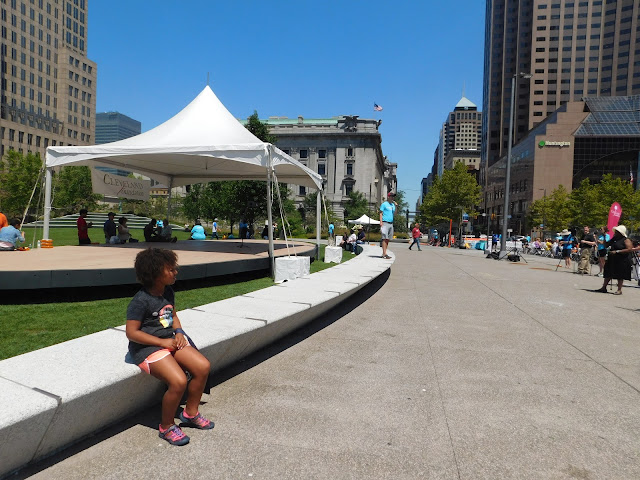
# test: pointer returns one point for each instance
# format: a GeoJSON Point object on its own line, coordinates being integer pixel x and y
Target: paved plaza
{"type": "Point", "coordinates": [450, 367]}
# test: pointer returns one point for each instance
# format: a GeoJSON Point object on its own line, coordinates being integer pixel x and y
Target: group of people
{"type": "Point", "coordinates": [614, 253]}
{"type": "Point", "coordinates": [350, 241]}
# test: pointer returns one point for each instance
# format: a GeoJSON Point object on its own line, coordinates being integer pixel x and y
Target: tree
{"type": "Point", "coordinates": [449, 194]}
{"type": "Point", "coordinates": [556, 209]}
{"type": "Point", "coordinates": [618, 190]}
{"type": "Point", "coordinates": [585, 205]}
{"type": "Point", "coordinates": [73, 190]}
{"type": "Point", "coordinates": [356, 206]}
{"type": "Point", "coordinates": [400, 220]}
{"type": "Point", "coordinates": [260, 129]}
{"type": "Point", "coordinates": [18, 177]}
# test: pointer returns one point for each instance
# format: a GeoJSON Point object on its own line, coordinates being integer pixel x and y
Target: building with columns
{"type": "Point", "coordinates": [345, 150]}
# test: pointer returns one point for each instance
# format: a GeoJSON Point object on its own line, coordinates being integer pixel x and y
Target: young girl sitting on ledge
{"type": "Point", "coordinates": [158, 345]}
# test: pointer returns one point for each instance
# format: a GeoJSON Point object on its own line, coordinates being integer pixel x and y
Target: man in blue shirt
{"type": "Point", "coordinates": [387, 209]}
{"type": "Point", "coordinates": [11, 235]}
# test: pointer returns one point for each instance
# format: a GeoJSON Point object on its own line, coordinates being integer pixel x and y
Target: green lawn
{"type": "Point", "coordinates": [31, 322]}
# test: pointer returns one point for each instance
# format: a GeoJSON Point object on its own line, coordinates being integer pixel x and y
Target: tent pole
{"type": "Point", "coordinates": [270, 216]}
{"type": "Point", "coordinates": [47, 201]}
{"type": "Point", "coordinates": [318, 222]}
{"type": "Point", "coordinates": [169, 199]}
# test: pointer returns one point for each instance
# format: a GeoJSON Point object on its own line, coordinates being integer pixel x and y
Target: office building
{"type": "Point", "coordinates": [574, 49]}
{"type": "Point", "coordinates": [114, 126]}
{"type": "Point", "coordinates": [345, 150]}
{"type": "Point", "coordinates": [580, 140]}
{"type": "Point", "coordinates": [48, 85]}
{"type": "Point", "coordinates": [460, 137]}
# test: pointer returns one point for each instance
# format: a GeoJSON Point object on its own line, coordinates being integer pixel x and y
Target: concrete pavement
{"type": "Point", "coordinates": [453, 367]}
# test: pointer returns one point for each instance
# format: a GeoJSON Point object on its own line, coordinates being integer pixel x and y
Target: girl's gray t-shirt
{"type": "Point", "coordinates": [156, 317]}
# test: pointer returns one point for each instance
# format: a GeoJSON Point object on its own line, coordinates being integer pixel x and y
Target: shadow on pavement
{"type": "Point", "coordinates": [151, 415]}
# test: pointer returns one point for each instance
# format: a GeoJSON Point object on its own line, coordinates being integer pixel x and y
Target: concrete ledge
{"type": "Point", "coordinates": [60, 394]}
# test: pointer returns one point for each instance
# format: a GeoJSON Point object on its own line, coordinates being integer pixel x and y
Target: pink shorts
{"type": "Point", "coordinates": [154, 357]}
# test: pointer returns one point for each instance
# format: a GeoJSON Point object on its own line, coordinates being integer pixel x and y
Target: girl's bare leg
{"type": "Point", "coordinates": [199, 367]}
{"type": "Point", "coordinates": [170, 373]}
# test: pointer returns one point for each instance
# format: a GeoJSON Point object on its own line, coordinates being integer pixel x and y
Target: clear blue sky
{"type": "Point", "coordinates": [316, 59]}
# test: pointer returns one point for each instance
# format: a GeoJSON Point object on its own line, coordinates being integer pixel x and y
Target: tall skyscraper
{"type": "Point", "coordinates": [574, 49]}
{"type": "Point", "coordinates": [460, 136]}
{"type": "Point", "coordinates": [114, 126]}
{"type": "Point", "coordinates": [48, 85]}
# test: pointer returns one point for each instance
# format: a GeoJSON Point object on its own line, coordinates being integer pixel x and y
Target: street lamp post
{"type": "Point", "coordinates": [507, 179]}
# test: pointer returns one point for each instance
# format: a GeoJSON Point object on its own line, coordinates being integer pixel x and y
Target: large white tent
{"type": "Point", "coordinates": [365, 220]}
{"type": "Point", "coordinates": [202, 143]}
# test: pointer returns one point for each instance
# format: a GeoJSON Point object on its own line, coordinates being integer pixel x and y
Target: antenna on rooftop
{"type": "Point", "coordinates": [207, 78]}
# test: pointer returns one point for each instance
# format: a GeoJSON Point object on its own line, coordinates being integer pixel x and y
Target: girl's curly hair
{"type": "Point", "coordinates": [151, 262]}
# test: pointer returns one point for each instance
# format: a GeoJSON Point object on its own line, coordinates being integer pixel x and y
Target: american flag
{"type": "Point", "coordinates": [377, 107]}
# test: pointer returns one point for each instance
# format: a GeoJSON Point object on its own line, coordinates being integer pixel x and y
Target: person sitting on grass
{"type": "Point", "coordinates": [197, 232]}
{"type": "Point", "coordinates": [11, 235]}
{"type": "Point", "coordinates": [159, 346]}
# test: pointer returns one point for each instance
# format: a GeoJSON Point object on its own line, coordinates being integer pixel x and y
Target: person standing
{"type": "Point", "coordinates": [618, 263]}
{"type": "Point", "coordinates": [83, 228]}
{"type": "Point", "coordinates": [214, 229]}
{"type": "Point", "coordinates": [566, 244]}
{"type": "Point", "coordinates": [586, 249]}
{"type": "Point", "coordinates": [387, 210]}
{"type": "Point", "coordinates": [602, 249]}
{"type": "Point", "coordinates": [416, 234]}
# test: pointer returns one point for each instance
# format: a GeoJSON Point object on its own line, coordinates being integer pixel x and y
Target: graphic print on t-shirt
{"type": "Point", "coordinates": [166, 316]}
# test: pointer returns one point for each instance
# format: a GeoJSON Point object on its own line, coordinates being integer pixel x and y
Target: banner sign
{"type": "Point", "coordinates": [121, 187]}
{"type": "Point", "coordinates": [614, 216]}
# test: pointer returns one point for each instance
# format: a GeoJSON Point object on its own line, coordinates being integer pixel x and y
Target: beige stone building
{"type": "Point", "coordinates": [48, 83]}
{"type": "Point", "coordinates": [345, 150]}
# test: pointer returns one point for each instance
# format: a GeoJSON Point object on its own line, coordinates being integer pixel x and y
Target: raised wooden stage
{"type": "Point", "coordinates": [100, 265]}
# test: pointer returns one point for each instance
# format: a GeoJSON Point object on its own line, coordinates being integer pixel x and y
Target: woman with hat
{"type": "Point", "coordinates": [618, 264]}
{"type": "Point", "coordinates": [566, 243]}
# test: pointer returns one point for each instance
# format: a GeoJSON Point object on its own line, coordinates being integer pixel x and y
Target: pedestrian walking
{"type": "Point", "coordinates": [387, 210]}
{"type": "Point", "coordinates": [416, 234]}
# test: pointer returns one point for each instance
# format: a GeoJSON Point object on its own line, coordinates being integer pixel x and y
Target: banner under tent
{"type": "Point", "coordinates": [202, 143]}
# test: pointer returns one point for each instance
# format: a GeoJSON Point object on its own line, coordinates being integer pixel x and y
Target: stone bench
{"type": "Point", "coordinates": [58, 395]}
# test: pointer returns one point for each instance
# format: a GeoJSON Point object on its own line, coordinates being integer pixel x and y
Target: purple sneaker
{"type": "Point", "coordinates": [197, 422]}
{"type": "Point", "coordinates": [174, 435]}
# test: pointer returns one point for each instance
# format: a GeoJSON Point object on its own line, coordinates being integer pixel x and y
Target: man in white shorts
{"type": "Point", "coordinates": [387, 209]}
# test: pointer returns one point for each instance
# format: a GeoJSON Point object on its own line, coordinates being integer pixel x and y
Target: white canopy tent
{"type": "Point", "coordinates": [202, 143]}
{"type": "Point", "coordinates": [365, 219]}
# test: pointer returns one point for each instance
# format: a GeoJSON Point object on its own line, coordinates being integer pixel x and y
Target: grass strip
{"type": "Point", "coordinates": [34, 320]}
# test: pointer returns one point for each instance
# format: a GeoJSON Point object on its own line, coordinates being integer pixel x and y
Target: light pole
{"type": "Point", "coordinates": [544, 211]}
{"type": "Point", "coordinates": [507, 179]}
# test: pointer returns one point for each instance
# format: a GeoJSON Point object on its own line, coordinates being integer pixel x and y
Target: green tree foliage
{"type": "Point", "coordinates": [356, 206]}
{"type": "Point", "coordinates": [260, 129]}
{"type": "Point", "coordinates": [588, 204]}
{"type": "Point", "coordinates": [400, 217]}
{"type": "Point", "coordinates": [18, 176]}
{"type": "Point", "coordinates": [73, 190]}
{"type": "Point", "coordinates": [556, 209]}
{"type": "Point", "coordinates": [453, 190]}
